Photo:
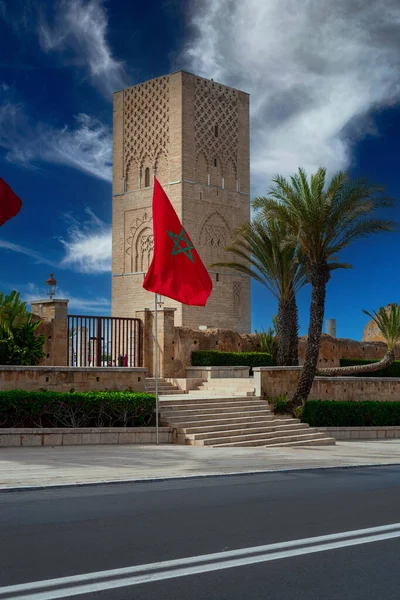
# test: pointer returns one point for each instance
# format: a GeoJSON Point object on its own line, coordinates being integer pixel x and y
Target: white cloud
{"type": "Point", "coordinates": [80, 31]}
{"type": "Point", "coordinates": [88, 247]}
{"type": "Point", "coordinates": [31, 292]}
{"type": "Point", "coordinates": [27, 251]}
{"type": "Point", "coordinates": [86, 146]}
{"type": "Point", "coordinates": [314, 70]}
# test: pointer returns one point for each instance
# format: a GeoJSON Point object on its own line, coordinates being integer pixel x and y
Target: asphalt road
{"type": "Point", "coordinates": [53, 534]}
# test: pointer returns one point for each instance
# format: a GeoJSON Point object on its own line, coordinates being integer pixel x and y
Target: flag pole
{"type": "Point", "coordinates": [156, 365]}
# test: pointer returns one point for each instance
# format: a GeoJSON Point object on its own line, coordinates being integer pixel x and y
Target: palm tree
{"type": "Point", "coordinates": [322, 219]}
{"type": "Point", "coordinates": [263, 256]}
{"type": "Point", "coordinates": [388, 321]}
{"type": "Point", "coordinates": [13, 314]}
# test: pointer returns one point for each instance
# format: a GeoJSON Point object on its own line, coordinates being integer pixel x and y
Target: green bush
{"type": "Point", "coordinates": [321, 413]}
{"type": "Point", "coordinates": [392, 370]}
{"type": "Point", "coordinates": [280, 404]}
{"type": "Point", "coordinates": [19, 342]}
{"type": "Point", "coordinates": [214, 358]}
{"type": "Point", "coordinates": [91, 409]}
{"type": "Point", "coordinates": [268, 341]}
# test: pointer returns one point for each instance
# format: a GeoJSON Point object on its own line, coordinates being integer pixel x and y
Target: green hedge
{"type": "Point", "coordinates": [92, 409]}
{"type": "Point", "coordinates": [392, 370]}
{"type": "Point", "coordinates": [321, 413]}
{"type": "Point", "coordinates": [214, 358]}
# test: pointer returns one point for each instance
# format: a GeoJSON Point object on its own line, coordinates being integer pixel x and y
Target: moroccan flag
{"type": "Point", "coordinates": [10, 204]}
{"type": "Point", "coordinates": [176, 270]}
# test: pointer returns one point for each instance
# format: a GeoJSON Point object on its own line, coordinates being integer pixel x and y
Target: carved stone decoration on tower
{"type": "Point", "coordinates": [193, 135]}
{"type": "Point", "coordinates": [139, 241]}
{"type": "Point", "coordinates": [216, 130]}
{"type": "Point", "coordinates": [237, 298]}
{"type": "Point", "coordinates": [214, 233]}
{"type": "Point", "coordinates": [146, 126]}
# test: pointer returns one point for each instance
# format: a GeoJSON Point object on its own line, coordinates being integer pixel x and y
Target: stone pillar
{"type": "Point", "coordinates": [166, 334]}
{"type": "Point", "coordinates": [146, 339]}
{"type": "Point", "coordinates": [54, 312]}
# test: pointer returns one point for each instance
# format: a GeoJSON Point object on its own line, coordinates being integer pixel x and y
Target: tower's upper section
{"type": "Point", "coordinates": [182, 128]}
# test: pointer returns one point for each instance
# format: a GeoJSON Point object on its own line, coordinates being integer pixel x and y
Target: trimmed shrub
{"type": "Point", "coordinates": [280, 404]}
{"type": "Point", "coordinates": [92, 409]}
{"type": "Point", "coordinates": [215, 358]}
{"type": "Point", "coordinates": [392, 370]}
{"type": "Point", "coordinates": [322, 413]}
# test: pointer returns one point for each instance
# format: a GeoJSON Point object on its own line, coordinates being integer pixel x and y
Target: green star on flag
{"type": "Point", "coordinates": [178, 240]}
{"type": "Point", "coordinates": [171, 274]}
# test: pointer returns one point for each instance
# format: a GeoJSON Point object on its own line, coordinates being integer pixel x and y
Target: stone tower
{"type": "Point", "coordinates": [193, 134]}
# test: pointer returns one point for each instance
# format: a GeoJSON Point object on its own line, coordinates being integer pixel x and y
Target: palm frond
{"type": "Point", "coordinates": [387, 320]}
{"type": "Point", "coordinates": [263, 255]}
{"type": "Point", "coordinates": [323, 219]}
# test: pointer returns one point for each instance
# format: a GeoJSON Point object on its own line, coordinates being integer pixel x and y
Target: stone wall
{"type": "Point", "coordinates": [361, 433]}
{"type": "Point", "coordinates": [188, 340]}
{"type": "Point", "coordinates": [332, 349]}
{"type": "Point", "coordinates": [74, 436]}
{"type": "Point", "coordinates": [176, 344]}
{"type": "Point", "coordinates": [271, 382]}
{"type": "Point", "coordinates": [80, 379]}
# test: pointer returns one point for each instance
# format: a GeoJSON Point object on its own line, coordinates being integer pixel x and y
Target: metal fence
{"type": "Point", "coordinates": [103, 341]}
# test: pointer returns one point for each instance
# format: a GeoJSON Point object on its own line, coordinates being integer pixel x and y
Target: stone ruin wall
{"type": "Point", "coordinates": [332, 349]}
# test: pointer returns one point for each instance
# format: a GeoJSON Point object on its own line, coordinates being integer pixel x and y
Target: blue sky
{"type": "Point", "coordinates": [323, 79]}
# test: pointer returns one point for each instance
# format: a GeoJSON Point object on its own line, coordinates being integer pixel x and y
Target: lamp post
{"type": "Point", "coordinates": [51, 286]}
{"type": "Point", "coordinates": [158, 301]}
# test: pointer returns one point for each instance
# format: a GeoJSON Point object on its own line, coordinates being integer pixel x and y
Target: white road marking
{"type": "Point", "coordinates": [66, 587]}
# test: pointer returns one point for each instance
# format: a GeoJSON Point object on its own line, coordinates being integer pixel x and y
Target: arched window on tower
{"type": "Point", "coordinates": [147, 177]}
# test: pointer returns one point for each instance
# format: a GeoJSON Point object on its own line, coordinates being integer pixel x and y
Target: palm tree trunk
{"type": "Point", "coordinates": [387, 360]}
{"type": "Point", "coordinates": [288, 326]}
{"type": "Point", "coordinates": [318, 275]}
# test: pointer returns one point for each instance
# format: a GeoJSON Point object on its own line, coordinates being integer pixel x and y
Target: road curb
{"type": "Point", "coordinates": [55, 486]}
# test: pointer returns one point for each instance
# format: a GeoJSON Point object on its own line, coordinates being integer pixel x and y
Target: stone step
{"type": "Point", "coordinates": [219, 389]}
{"type": "Point", "coordinates": [165, 392]}
{"type": "Point", "coordinates": [223, 392]}
{"type": "Point", "coordinates": [173, 406]}
{"type": "Point", "coordinates": [229, 381]}
{"type": "Point", "coordinates": [210, 385]}
{"type": "Point", "coordinates": [161, 385]}
{"type": "Point", "coordinates": [260, 437]}
{"type": "Point", "coordinates": [212, 411]}
{"type": "Point", "coordinates": [219, 394]}
{"type": "Point", "coordinates": [208, 399]}
{"type": "Point", "coordinates": [327, 441]}
{"type": "Point", "coordinates": [214, 422]}
{"type": "Point", "coordinates": [188, 400]}
{"type": "Point", "coordinates": [265, 440]}
{"type": "Point", "coordinates": [269, 427]}
{"type": "Point", "coordinates": [205, 397]}
{"type": "Point", "coordinates": [219, 425]}
{"type": "Point", "coordinates": [180, 418]}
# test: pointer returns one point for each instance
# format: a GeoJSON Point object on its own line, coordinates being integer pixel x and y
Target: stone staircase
{"type": "Point", "coordinates": [226, 387]}
{"type": "Point", "coordinates": [165, 388]}
{"type": "Point", "coordinates": [226, 413]}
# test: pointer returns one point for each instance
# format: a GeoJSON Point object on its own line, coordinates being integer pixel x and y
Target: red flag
{"type": "Point", "coordinates": [10, 204]}
{"type": "Point", "coordinates": [176, 270]}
